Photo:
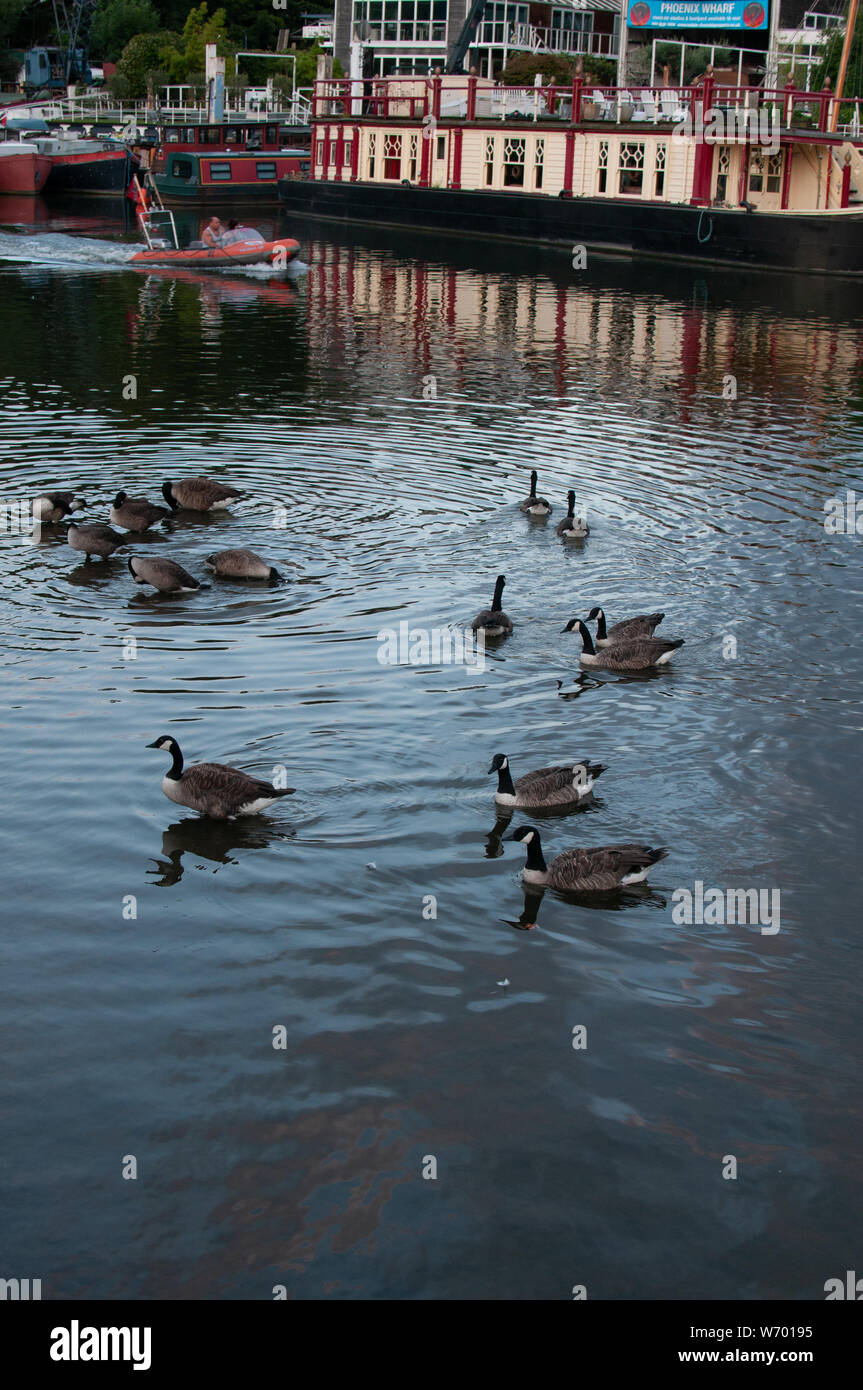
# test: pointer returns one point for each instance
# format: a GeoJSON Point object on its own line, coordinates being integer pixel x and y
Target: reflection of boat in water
{"type": "Point", "coordinates": [225, 290]}
{"type": "Point", "coordinates": [249, 252]}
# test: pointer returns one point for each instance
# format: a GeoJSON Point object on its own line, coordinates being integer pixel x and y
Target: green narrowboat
{"type": "Point", "coordinates": [224, 161]}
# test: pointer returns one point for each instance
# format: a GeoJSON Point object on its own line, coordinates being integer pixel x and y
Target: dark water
{"type": "Point", "coordinates": [152, 1036]}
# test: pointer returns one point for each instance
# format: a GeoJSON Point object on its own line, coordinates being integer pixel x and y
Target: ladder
{"type": "Point", "coordinates": [157, 221]}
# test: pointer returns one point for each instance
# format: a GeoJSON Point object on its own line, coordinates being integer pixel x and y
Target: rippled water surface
{"type": "Point", "coordinates": [381, 413]}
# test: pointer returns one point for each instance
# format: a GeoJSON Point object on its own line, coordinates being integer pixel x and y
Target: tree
{"type": "Point", "coordinates": [143, 55]}
{"type": "Point", "coordinates": [522, 68]}
{"type": "Point", "coordinates": [117, 21]}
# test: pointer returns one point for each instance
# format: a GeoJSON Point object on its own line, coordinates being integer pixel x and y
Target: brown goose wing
{"type": "Point", "coordinates": [640, 626]}
{"type": "Point", "coordinates": [217, 790]}
{"type": "Point", "coordinates": [584, 870]}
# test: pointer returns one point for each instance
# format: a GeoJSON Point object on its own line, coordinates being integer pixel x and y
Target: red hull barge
{"type": "Point", "coordinates": [23, 169]}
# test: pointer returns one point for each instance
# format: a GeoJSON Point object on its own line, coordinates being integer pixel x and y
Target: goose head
{"type": "Point", "coordinates": [166, 743]}
{"type": "Point", "coordinates": [498, 763]}
{"type": "Point", "coordinates": [595, 613]}
{"type": "Point", "coordinates": [572, 626]}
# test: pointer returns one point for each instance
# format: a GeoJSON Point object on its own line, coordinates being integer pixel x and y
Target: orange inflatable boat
{"type": "Point", "coordinates": [276, 253]}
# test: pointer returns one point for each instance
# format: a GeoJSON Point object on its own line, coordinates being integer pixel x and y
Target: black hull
{"type": "Point", "coordinates": [86, 176]}
{"type": "Point", "coordinates": [825, 244]}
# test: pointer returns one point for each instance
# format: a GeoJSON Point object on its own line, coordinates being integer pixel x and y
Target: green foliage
{"type": "Point", "coordinates": [11, 12]}
{"type": "Point", "coordinates": [522, 68]}
{"type": "Point", "coordinates": [831, 57]}
{"type": "Point", "coordinates": [143, 55]}
{"type": "Point", "coordinates": [116, 22]}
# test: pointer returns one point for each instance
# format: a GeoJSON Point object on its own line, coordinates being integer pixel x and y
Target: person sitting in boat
{"type": "Point", "coordinates": [237, 233]}
{"type": "Point", "coordinates": [212, 235]}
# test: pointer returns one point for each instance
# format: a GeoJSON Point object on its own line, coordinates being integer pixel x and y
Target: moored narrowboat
{"type": "Point", "coordinates": [224, 161]}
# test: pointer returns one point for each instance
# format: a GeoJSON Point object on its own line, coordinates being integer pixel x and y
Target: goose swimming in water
{"type": "Point", "coordinates": [636, 654]}
{"type": "Point", "coordinates": [53, 506]}
{"type": "Point", "coordinates": [198, 495]}
{"type": "Point", "coordinates": [135, 513]}
{"type": "Point", "coordinates": [572, 528]}
{"type": "Point", "coordinates": [164, 575]}
{"type": "Point", "coordinates": [641, 626]}
{"type": "Point", "coordinates": [547, 786]}
{"type": "Point", "coordinates": [213, 789]}
{"type": "Point", "coordinates": [94, 539]}
{"type": "Point", "coordinates": [533, 505]}
{"type": "Point", "coordinates": [585, 870]}
{"type": "Point", "coordinates": [493, 622]}
{"type": "Point", "coordinates": [241, 564]}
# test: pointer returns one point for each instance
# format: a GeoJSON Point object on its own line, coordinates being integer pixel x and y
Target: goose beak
{"type": "Point", "coordinates": [491, 769]}
{"type": "Point", "coordinates": [153, 745]}
{"type": "Point", "coordinates": [508, 837]}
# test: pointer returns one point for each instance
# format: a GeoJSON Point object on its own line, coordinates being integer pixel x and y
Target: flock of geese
{"type": "Point", "coordinates": [221, 792]}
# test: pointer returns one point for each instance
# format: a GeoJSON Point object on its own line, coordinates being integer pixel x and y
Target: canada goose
{"type": "Point", "coordinates": [135, 513]}
{"type": "Point", "coordinates": [493, 622]}
{"type": "Point", "coordinates": [572, 528]}
{"type": "Point", "coordinates": [53, 506]}
{"type": "Point", "coordinates": [241, 564]}
{"type": "Point", "coordinates": [547, 786]}
{"type": "Point", "coordinates": [164, 575]}
{"type": "Point", "coordinates": [212, 789]}
{"type": "Point", "coordinates": [536, 506]}
{"type": "Point", "coordinates": [94, 539]}
{"type": "Point", "coordinates": [632, 655]}
{"type": "Point", "coordinates": [585, 870]}
{"type": "Point", "coordinates": [198, 495]}
{"type": "Point", "coordinates": [628, 628]}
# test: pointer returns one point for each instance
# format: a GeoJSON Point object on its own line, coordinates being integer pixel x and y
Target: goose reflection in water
{"type": "Point", "coordinates": [615, 900]}
{"type": "Point", "coordinates": [218, 841]}
{"type": "Point", "coordinates": [493, 847]}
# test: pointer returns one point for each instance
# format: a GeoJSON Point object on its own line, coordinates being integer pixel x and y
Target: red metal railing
{"type": "Point", "coordinates": [577, 103]}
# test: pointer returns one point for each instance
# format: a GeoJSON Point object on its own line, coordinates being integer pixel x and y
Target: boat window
{"type": "Point", "coordinates": [181, 168]}
{"type": "Point", "coordinates": [602, 170]}
{"type": "Point", "coordinates": [265, 171]}
{"type": "Point", "coordinates": [233, 136]}
{"type": "Point", "coordinates": [348, 152]}
{"type": "Point", "coordinates": [220, 172]}
{"type": "Point", "coordinates": [172, 136]}
{"type": "Point", "coordinates": [631, 167]}
{"type": "Point", "coordinates": [209, 135]}
{"type": "Point", "coordinates": [513, 162]}
{"type": "Point", "coordinates": [392, 156]}
{"type": "Point", "coordinates": [271, 134]}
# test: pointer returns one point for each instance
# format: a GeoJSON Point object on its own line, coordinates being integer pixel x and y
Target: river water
{"type": "Point", "coordinates": [335, 1042]}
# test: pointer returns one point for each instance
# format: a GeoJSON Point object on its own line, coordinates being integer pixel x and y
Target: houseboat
{"type": "Point", "coordinates": [730, 175]}
{"type": "Point", "coordinates": [222, 161]}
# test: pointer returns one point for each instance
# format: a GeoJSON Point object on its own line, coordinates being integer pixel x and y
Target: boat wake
{"type": "Point", "coordinates": [57, 249]}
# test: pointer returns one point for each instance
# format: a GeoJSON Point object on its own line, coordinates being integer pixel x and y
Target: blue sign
{"type": "Point", "coordinates": [697, 14]}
